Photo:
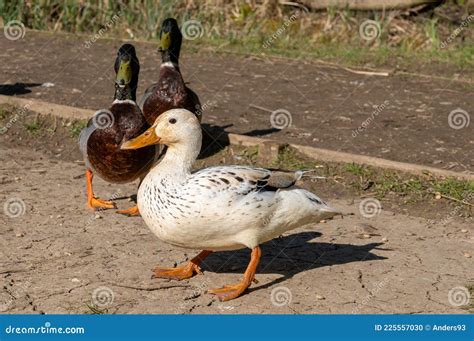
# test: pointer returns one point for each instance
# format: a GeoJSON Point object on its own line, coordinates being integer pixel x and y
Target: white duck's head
{"type": "Point", "coordinates": [173, 128]}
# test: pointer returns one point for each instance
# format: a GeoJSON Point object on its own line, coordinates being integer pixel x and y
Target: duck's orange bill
{"type": "Point", "coordinates": [148, 138]}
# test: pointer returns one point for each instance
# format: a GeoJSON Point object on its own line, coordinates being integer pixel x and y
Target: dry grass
{"type": "Point", "coordinates": [264, 27]}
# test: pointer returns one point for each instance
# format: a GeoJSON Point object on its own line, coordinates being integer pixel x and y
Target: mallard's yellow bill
{"type": "Point", "coordinates": [165, 41]}
{"type": "Point", "coordinates": [148, 138]}
{"type": "Point", "coordinates": [124, 74]}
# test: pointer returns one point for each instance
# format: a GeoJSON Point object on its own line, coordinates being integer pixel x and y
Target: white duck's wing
{"type": "Point", "coordinates": [243, 180]}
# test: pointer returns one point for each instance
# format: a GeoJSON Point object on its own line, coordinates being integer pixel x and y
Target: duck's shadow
{"type": "Point", "coordinates": [216, 138]}
{"type": "Point", "coordinates": [291, 255]}
{"type": "Point", "coordinates": [17, 88]}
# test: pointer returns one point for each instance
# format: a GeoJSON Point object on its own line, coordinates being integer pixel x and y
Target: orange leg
{"type": "Point", "coordinates": [132, 211]}
{"type": "Point", "coordinates": [229, 292]}
{"type": "Point", "coordinates": [182, 272]}
{"type": "Point", "coordinates": [93, 202]}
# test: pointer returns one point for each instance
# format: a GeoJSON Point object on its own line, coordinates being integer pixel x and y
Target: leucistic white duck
{"type": "Point", "coordinates": [216, 208]}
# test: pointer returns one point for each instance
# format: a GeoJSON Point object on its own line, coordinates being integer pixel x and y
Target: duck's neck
{"type": "Point", "coordinates": [128, 91]}
{"type": "Point", "coordinates": [170, 57]}
{"type": "Point", "coordinates": [179, 158]}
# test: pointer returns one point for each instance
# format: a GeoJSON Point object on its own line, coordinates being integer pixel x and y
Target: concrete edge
{"type": "Point", "coordinates": [73, 113]}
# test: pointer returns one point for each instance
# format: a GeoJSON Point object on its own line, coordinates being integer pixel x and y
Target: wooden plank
{"type": "Point", "coordinates": [363, 5]}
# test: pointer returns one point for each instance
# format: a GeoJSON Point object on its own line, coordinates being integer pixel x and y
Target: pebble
{"type": "Point", "coordinates": [75, 280]}
{"type": "Point", "coordinates": [464, 231]}
{"type": "Point", "coordinates": [467, 255]}
{"type": "Point", "coordinates": [19, 235]}
{"type": "Point", "coordinates": [97, 216]}
{"type": "Point", "coordinates": [384, 240]}
{"type": "Point", "coordinates": [319, 297]}
{"type": "Point", "coordinates": [437, 196]}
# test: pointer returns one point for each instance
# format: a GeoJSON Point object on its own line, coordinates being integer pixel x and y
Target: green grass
{"type": "Point", "coordinates": [32, 127]}
{"type": "Point", "coordinates": [380, 183]}
{"type": "Point", "coordinates": [244, 28]}
{"type": "Point", "coordinates": [76, 128]}
{"type": "Point", "coordinates": [3, 113]}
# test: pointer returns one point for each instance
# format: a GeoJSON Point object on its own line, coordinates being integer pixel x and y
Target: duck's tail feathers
{"type": "Point", "coordinates": [306, 174]}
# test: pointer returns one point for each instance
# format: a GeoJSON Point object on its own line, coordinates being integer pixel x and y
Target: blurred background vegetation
{"type": "Point", "coordinates": [245, 26]}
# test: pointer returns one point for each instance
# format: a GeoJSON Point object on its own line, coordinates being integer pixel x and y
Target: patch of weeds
{"type": "Point", "coordinates": [454, 188]}
{"type": "Point", "coordinates": [250, 154]}
{"type": "Point", "coordinates": [76, 128]}
{"type": "Point", "coordinates": [33, 127]}
{"type": "Point", "coordinates": [95, 310]}
{"type": "Point", "coordinates": [288, 158]}
{"type": "Point", "coordinates": [3, 113]}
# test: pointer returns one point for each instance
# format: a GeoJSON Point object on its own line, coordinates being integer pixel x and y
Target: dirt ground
{"type": "Point", "coordinates": [325, 103]}
{"type": "Point", "coordinates": [56, 256]}
{"type": "Point", "coordinates": [59, 257]}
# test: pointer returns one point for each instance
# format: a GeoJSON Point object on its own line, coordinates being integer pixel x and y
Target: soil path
{"type": "Point", "coordinates": [329, 107]}
{"type": "Point", "coordinates": [58, 257]}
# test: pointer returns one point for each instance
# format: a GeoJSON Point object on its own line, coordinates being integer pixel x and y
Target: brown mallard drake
{"type": "Point", "coordinates": [170, 91]}
{"type": "Point", "coordinates": [100, 141]}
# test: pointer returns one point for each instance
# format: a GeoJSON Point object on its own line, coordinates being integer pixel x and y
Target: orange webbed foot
{"type": "Point", "coordinates": [229, 292]}
{"type": "Point", "coordinates": [179, 273]}
{"type": "Point", "coordinates": [182, 272]}
{"type": "Point", "coordinates": [132, 211]}
{"type": "Point", "coordinates": [99, 204]}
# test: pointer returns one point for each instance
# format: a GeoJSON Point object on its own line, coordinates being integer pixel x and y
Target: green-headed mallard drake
{"type": "Point", "coordinates": [170, 91]}
{"type": "Point", "coordinates": [216, 208]}
{"type": "Point", "coordinates": [100, 141]}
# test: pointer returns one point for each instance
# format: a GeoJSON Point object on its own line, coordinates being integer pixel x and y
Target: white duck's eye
{"type": "Point", "coordinates": [172, 120]}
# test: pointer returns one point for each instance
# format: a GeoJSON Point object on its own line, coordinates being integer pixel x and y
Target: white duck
{"type": "Point", "coordinates": [216, 208]}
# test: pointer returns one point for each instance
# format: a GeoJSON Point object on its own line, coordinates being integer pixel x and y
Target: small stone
{"type": "Point", "coordinates": [437, 195]}
{"type": "Point", "coordinates": [464, 231]}
{"type": "Point", "coordinates": [97, 216]}
{"type": "Point", "coordinates": [19, 235]}
{"type": "Point", "coordinates": [319, 297]}
{"type": "Point", "coordinates": [322, 221]}
{"type": "Point", "coordinates": [467, 255]}
{"type": "Point", "coordinates": [384, 240]}
{"type": "Point", "coordinates": [75, 280]}
{"type": "Point", "coordinates": [366, 236]}
{"type": "Point", "coordinates": [59, 216]}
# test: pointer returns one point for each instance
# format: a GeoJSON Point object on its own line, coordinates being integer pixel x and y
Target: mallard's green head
{"type": "Point", "coordinates": [127, 68]}
{"type": "Point", "coordinates": [170, 40]}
